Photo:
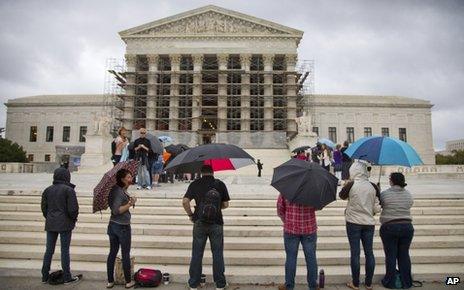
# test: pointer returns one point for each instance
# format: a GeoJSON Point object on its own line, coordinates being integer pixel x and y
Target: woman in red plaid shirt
{"type": "Point", "coordinates": [299, 227]}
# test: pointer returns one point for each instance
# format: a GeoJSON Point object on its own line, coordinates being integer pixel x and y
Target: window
{"type": "Point", "coordinates": [316, 130]}
{"type": "Point", "coordinates": [402, 134]}
{"type": "Point", "coordinates": [66, 133]}
{"type": "Point", "coordinates": [47, 157]}
{"type": "Point", "coordinates": [385, 132]}
{"type": "Point", "coordinates": [333, 134]}
{"type": "Point", "coordinates": [82, 133]}
{"type": "Point", "coordinates": [33, 134]}
{"type": "Point", "coordinates": [49, 135]}
{"type": "Point", "coordinates": [367, 131]}
{"type": "Point", "coordinates": [350, 134]}
{"type": "Point", "coordinates": [30, 157]}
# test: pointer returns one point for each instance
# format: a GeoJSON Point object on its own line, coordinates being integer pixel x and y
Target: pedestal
{"type": "Point", "coordinates": [303, 139]}
{"type": "Point", "coordinates": [97, 155]}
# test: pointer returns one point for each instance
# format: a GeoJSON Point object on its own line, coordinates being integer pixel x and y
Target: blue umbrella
{"type": "Point", "coordinates": [384, 151]}
{"type": "Point", "coordinates": [165, 139]}
{"type": "Point", "coordinates": [327, 142]}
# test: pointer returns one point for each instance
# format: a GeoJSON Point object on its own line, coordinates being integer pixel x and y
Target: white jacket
{"type": "Point", "coordinates": [362, 201]}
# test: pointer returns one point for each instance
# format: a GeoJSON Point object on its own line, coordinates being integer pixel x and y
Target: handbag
{"type": "Point", "coordinates": [119, 271]}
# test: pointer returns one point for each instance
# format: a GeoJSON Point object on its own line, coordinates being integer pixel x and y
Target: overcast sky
{"type": "Point", "coordinates": [407, 48]}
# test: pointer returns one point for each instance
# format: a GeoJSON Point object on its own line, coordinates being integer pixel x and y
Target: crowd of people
{"type": "Point", "coordinates": [364, 201]}
{"type": "Point", "coordinates": [332, 159]}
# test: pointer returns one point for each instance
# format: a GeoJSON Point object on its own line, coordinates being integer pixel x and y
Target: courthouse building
{"type": "Point", "coordinates": [216, 75]}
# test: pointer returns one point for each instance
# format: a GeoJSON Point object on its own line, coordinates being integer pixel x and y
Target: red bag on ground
{"type": "Point", "coordinates": [148, 277]}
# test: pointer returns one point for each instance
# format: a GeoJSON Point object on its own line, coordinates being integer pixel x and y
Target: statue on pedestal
{"type": "Point", "coordinates": [102, 125]}
{"type": "Point", "coordinates": [304, 124]}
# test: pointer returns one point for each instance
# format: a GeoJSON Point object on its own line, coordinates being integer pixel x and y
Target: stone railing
{"type": "Point", "coordinates": [36, 167]}
{"type": "Point", "coordinates": [422, 170]}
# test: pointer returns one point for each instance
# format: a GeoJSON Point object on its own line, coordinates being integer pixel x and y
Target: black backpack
{"type": "Point", "coordinates": [209, 208]}
{"type": "Point", "coordinates": [56, 278]}
{"type": "Point", "coordinates": [113, 147]}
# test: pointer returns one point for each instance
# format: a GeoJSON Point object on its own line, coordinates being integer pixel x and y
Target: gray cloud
{"type": "Point", "coordinates": [407, 48]}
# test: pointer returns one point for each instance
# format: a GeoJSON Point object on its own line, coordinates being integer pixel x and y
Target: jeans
{"type": "Point", "coordinates": [292, 242]}
{"type": "Point", "coordinates": [143, 176]}
{"type": "Point", "coordinates": [365, 234]}
{"type": "Point", "coordinates": [65, 240]}
{"type": "Point", "coordinates": [201, 232]}
{"type": "Point", "coordinates": [119, 235]}
{"type": "Point", "coordinates": [396, 239]}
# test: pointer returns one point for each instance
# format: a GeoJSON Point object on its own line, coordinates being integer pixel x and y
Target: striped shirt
{"type": "Point", "coordinates": [298, 219]}
{"type": "Point", "coordinates": [396, 204]}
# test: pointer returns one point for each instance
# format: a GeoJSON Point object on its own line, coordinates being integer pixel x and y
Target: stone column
{"type": "Point", "coordinates": [291, 60]}
{"type": "Point", "coordinates": [174, 98]}
{"type": "Point", "coordinates": [268, 92]}
{"type": "Point", "coordinates": [222, 92]}
{"type": "Point", "coordinates": [128, 113]}
{"type": "Point", "coordinates": [196, 99]}
{"type": "Point", "coordinates": [245, 60]}
{"type": "Point", "coordinates": [151, 94]}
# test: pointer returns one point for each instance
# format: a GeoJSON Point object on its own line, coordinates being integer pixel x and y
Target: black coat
{"type": "Point", "coordinates": [59, 203]}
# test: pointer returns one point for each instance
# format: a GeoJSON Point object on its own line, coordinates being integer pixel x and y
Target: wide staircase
{"type": "Point", "coordinates": [161, 238]}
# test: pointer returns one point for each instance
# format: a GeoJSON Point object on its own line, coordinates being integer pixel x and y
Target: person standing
{"type": "Point", "coordinates": [157, 169]}
{"type": "Point", "coordinates": [300, 226]}
{"type": "Point", "coordinates": [301, 155]}
{"type": "Point", "coordinates": [396, 231]}
{"type": "Point", "coordinates": [60, 210]}
{"type": "Point", "coordinates": [119, 229]}
{"type": "Point", "coordinates": [211, 197]}
{"type": "Point", "coordinates": [120, 142]}
{"type": "Point", "coordinates": [260, 167]}
{"type": "Point", "coordinates": [315, 153]}
{"type": "Point", "coordinates": [346, 163]}
{"type": "Point", "coordinates": [326, 157]}
{"type": "Point", "coordinates": [142, 148]}
{"type": "Point", "coordinates": [362, 205]}
{"type": "Point", "coordinates": [337, 156]}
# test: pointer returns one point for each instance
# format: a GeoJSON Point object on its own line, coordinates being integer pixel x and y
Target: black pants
{"type": "Point", "coordinates": [119, 235]}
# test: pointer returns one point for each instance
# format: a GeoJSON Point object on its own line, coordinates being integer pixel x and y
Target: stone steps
{"type": "Point", "coordinates": [267, 275]}
{"type": "Point", "coordinates": [258, 211]}
{"type": "Point", "coordinates": [232, 257]}
{"type": "Point", "coordinates": [161, 238]}
{"type": "Point", "coordinates": [336, 220]}
{"type": "Point", "coordinates": [231, 243]}
{"type": "Point", "coordinates": [232, 231]}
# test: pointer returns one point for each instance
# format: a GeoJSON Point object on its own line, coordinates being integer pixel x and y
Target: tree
{"type": "Point", "coordinates": [456, 157]}
{"type": "Point", "coordinates": [11, 152]}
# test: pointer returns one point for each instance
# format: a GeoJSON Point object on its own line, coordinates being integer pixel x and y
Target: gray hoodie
{"type": "Point", "coordinates": [362, 201]}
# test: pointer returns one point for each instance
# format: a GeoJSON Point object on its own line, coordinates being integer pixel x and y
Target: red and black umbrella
{"type": "Point", "coordinates": [219, 156]}
{"type": "Point", "coordinates": [103, 188]}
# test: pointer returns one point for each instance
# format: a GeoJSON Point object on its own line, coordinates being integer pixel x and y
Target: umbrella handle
{"type": "Point", "coordinates": [380, 173]}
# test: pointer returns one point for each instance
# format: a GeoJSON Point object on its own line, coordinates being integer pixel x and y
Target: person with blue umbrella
{"type": "Point", "coordinates": [381, 150]}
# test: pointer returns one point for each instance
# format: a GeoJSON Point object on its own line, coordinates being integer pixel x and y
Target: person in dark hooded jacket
{"type": "Point", "coordinates": [60, 209]}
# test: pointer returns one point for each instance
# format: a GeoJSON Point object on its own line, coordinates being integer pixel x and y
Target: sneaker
{"type": "Point", "coordinates": [149, 187]}
{"type": "Point", "coordinates": [139, 187]}
{"type": "Point", "coordinates": [44, 281]}
{"type": "Point", "coordinates": [74, 280]}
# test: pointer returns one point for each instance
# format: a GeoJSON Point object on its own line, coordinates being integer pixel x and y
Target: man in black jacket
{"type": "Point", "coordinates": [60, 209]}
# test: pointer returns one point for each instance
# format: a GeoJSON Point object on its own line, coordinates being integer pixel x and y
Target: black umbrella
{"type": "Point", "coordinates": [219, 156]}
{"type": "Point", "coordinates": [174, 150]}
{"type": "Point", "coordinates": [301, 149]}
{"type": "Point", "coordinates": [156, 145]}
{"type": "Point", "coordinates": [305, 183]}
{"type": "Point", "coordinates": [183, 147]}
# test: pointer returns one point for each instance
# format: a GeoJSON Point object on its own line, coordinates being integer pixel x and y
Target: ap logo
{"type": "Point", "coordinates": [452, 281]}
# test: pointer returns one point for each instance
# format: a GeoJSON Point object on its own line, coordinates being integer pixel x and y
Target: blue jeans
{"type": "Point", "coordinates": [396, 239]}
{"type": "Point", "coordinates": [292, 243]}
{"type": "Point", "coordinates": [65, 240]}
{"type": "Point", "coordinates": [201, 232]}
{"type": "Point", "coordinates": [143, 176]}
{"type": "Point", "coordinates": [119, 235]}
{"type": "Point", "coordinates": [365, 234]}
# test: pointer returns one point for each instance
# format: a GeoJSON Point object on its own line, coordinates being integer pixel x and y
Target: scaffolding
{"type": "Point", "coordinates": [113, 91]}
{"type": "Point", "coordinates": [219, 95]}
